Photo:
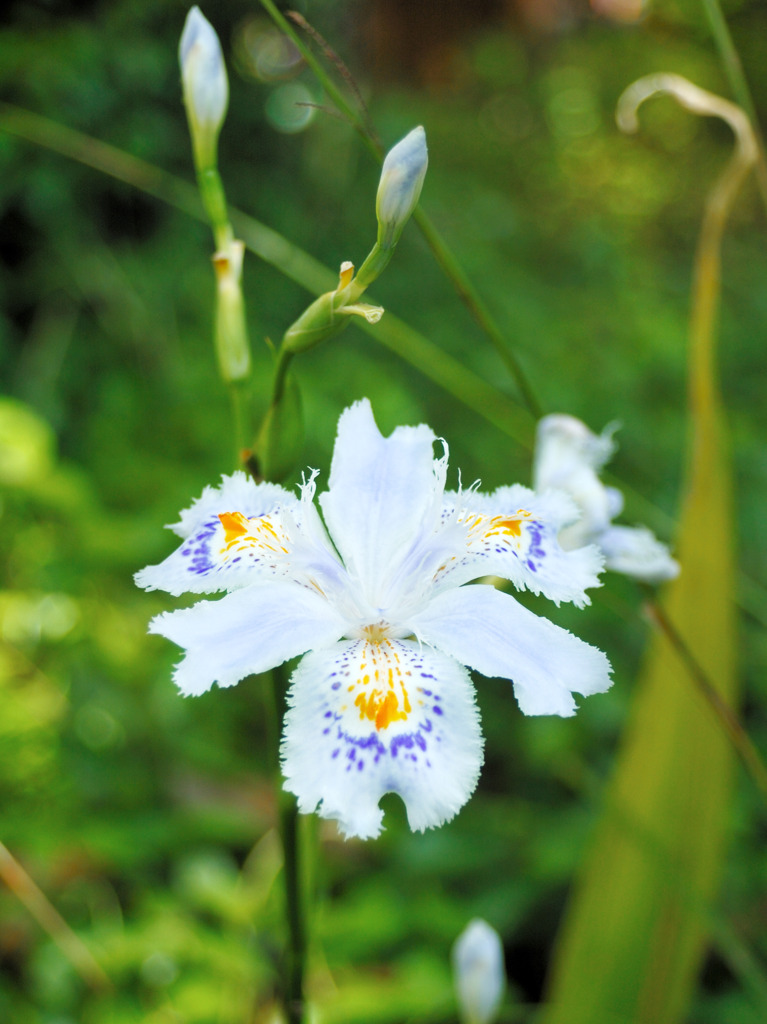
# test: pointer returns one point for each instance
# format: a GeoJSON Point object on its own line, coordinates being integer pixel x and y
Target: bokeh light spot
{"type": "Point", "coordinates": [290, 107]}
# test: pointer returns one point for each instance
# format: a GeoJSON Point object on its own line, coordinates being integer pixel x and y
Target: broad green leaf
{"type": "Point", "coordinates": [635, 932]}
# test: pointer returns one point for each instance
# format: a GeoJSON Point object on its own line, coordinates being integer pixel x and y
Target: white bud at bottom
{"type": "Point", "coordinates": [478, 972]}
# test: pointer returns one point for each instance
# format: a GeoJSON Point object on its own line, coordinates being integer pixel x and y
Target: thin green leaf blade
{"type": "Point", "coordinates": [635, 932]}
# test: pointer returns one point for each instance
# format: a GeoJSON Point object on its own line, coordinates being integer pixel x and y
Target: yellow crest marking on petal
{"type": "Point", "coordinates": [383, 697]}
{"type": "Point", "coordinates": [481, 526]}
{"type": "Point", "coordinates": [235, 525]}
{"type": "Point", "coordinates": [259, 532]}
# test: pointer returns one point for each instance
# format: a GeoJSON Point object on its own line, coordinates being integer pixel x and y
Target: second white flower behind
{"type": "Point", "coordinates": [569, 456]}
{"type": "Point", "coordinates": [382, 701]}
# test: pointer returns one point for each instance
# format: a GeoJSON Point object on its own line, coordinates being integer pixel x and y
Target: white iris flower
{"type": "Point", "coordinates": [381, 702]}
{"type": "Point", "coordinates": [569, 456]}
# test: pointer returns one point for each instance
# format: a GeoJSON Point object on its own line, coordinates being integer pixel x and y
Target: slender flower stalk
{"type": "Point", "coordinates": [727, 718]}
{"type": "Point", "coordinates": [486, 399]}
{"type": "Point", "coordinates": [206, 96]}
{"type": "Point", "coordinates": [398, 191]}
{"type": "Point", "coordinates": [442, 253]}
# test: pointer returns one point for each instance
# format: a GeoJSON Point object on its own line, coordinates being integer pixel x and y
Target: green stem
{"type": "Point", "coordinates": [440, 250]}
{"type": "Point", "coordinates": [294, 973]}
{"type": "Point", "coordinates": [242, 433]}
{"type": "Point", "coordinates": [726, 717]}
{"type": "Point", "coordinates": [295, 966]}
{"type": "Point", "coordinates": [374, 265]}
{"type": "Point", "coordinates": [476, 306]}
{"type": "Point", "coordinates": [284, 359]}
{"type": "Point", "coordinates": [324, 79]}
{"type": "Point", "coordinates": [214, 200]}
{"type": "Point", "coordinates": [485, 399]}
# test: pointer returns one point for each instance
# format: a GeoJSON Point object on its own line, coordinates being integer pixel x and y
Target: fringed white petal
{"type": "Point", "coordinates": [512, 533]}
{"type": "Point", "coordinates": [383, 493]}
{"type": "Point", "coordinates": [236, 493]}
{"type": "Point", "coordinates": [372, 718]}
{"type": "Point", "coordinates": [231, 549]}
{"type": "Point", "coordinates": [636, 551]}
{"type": "Point", "coordinates": [233, 535]}
{"type": "Point", "coordinates": [251, 630]}
{"type": "Point", "coordinates": [491, 632]}
{"type": "Point", "coordinates": [568, 456]}
{"type": "Point", "coordinates": [564, 445]}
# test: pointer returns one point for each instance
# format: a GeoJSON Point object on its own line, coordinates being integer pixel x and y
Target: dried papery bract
{"type": "Point", "coordinates": [231, 337]}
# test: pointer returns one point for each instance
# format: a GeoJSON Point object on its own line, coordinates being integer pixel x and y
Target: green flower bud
{"type": "Point", "coordinates": [205, 86]}
{"type": "Point", "coordinates": [400, 186]}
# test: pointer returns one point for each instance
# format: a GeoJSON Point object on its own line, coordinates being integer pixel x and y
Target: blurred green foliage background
{"type": "Point", "coordinates": [149, 820]}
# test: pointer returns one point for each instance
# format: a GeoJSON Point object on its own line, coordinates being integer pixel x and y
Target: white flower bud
{"type": "Point", "coordinates": [205, 85]}
{"type": "Point", "coordinates": [400, 187]}
{"type": "Point", "coordinates": [478, 972]}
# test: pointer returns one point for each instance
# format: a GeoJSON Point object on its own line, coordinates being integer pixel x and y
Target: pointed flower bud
{"type": "Point", "coordinates": [205, 86]}
{"type": "Point", "coordinates": [400, 187]}
{"type": "Point", "coordinates": [478, 972]}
